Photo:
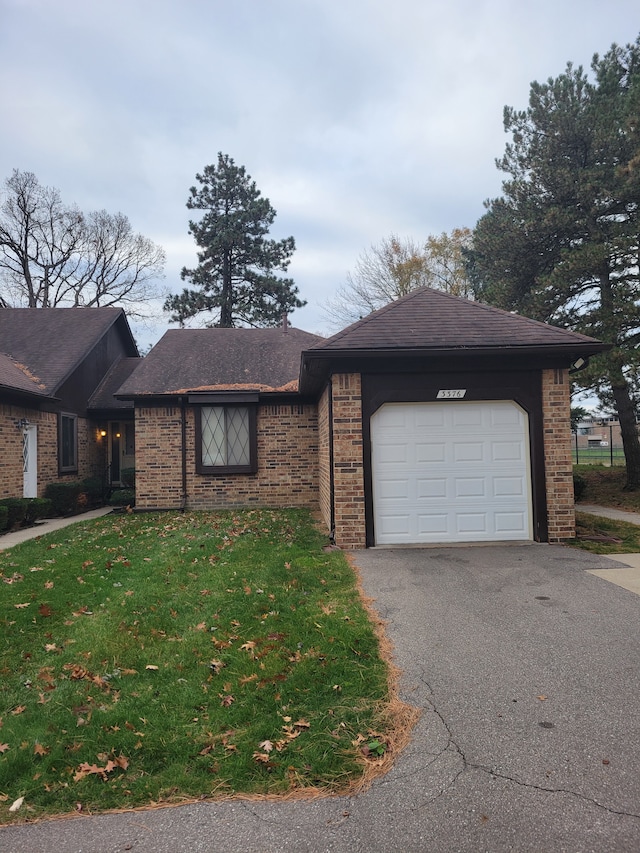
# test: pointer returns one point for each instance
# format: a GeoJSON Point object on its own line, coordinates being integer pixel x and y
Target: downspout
{"type": "Point", "coordinates": [183, 503]}
{"type": "Point", "coordinates": [332, 509]}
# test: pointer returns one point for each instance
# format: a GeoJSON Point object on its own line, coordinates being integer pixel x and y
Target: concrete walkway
{"type": "Point", "coordinates": [48, 525]}
{"type": "Point", "coordinates": [629, 576]}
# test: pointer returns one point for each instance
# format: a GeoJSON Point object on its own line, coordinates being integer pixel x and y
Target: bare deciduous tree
{"type": "Point", "coordinates": [52, 254]}
{"type": "Point", "coordinates": [394, 267]}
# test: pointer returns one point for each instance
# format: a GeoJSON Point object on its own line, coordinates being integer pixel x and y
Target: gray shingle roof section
{"type": "Point", "coordinates": [102, 397]}
{"type": "Point", "coordinates": [191, 360]}
{"type": "Point", "coordinates": [16, 377]}
{"type": "Point", "coordinates": [430, 319]}
{"type": "Point", "coordinates": [52, 342]}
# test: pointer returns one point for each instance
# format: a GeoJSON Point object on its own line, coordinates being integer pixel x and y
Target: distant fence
{"type": "Point", "coordinates": [598, 445]}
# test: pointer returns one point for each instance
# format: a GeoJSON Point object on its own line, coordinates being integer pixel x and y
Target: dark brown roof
{"type": "Point", "coordinates": [51, 342]}
{"type": "Point", "coordinates": [16, 377]}
{"type": "Point", "coordinates": [102, 398]}
{"type": "Point", "coordinates": [201, 360]}
{"type": "Point", "coordinates": [429, 319]}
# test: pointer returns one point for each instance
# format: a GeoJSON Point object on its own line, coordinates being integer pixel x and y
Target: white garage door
{"type": "Point", "coordinates": [450, 472]}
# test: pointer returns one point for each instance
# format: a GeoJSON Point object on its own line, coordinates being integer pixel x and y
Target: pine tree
{"type": "Point", "coordinates": [235, 278]}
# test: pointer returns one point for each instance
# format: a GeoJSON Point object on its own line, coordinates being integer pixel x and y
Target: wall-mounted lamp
{"type": "Point", "coordinates": [578, 365]}
{"type": "Point", "coordinates": [103, 433]}
{"type": "Point", "coordinates": [23, 422]}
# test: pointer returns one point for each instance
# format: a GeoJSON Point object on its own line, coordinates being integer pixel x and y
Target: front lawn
{"type": "Point", "coordinates": [157, 658]}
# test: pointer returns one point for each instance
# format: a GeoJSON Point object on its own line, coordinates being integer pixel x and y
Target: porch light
{"type": "Point", "coordinates": [102, 433]}
{"type": "Point", "coordinates": [23, 422]}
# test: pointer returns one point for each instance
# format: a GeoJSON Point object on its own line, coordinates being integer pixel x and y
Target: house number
{"type": "Point", "coordinates": [451, 394]}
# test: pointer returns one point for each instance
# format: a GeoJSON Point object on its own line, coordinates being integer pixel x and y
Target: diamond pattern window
{"type": "Point", "coordinates": [226, 440]}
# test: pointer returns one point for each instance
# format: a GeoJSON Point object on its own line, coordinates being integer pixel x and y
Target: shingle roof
{"type": "Point", "coordinates": [191, 360]}
{"type": "Point", "coordinates": [102, 397]}
{"type": "Point", "coordinates": [16, 377]}
{"type": "Point", "coordinates": [431, 319]}
{"type": "Point", "coordinates": [51, 342]}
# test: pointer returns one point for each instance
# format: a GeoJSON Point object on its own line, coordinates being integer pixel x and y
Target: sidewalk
{"type": "Point", "coordinates": [47, 525]}
{"type": "Point", "coordinates": [629, 576]}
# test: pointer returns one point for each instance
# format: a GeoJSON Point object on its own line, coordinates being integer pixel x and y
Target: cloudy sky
{"type": "Point", "coordinates": [356, 118]}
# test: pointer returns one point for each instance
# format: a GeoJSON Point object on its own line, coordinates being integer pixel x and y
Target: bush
{"type": "Point", "coordinates": [122, 497]}
{"type": "Point", "coordinates": [128, 478]}
{"type": "Point", "coordinates": [4, 518]}
{"type": "Point", "coordinates": [64, 497]}
{"type": "Point", "coordinates": [94, 489]}
{"type": "Point", "coordinates": [17, 511]}
{"type": "Point", "coordinates": [37, 508]}
{"type": "Point", "coordinates": [579, 486]}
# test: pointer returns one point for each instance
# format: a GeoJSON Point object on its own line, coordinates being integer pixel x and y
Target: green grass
{"type": "Point", "coordinates": [598, 456]}
{"type": "Point", "coordinates": [151, 658]}
{"type": "Point", "coordinates": [605, 536]}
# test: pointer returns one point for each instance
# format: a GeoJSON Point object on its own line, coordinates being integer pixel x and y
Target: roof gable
{"type": "Point", "coordinates": [428, 319]}
{"type": "Point", "coordinates": [52, 342]}
{"type": "Point", "coordinates": [199, 360]}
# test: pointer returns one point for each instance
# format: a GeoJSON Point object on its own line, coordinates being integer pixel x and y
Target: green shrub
{"type": "Point", "coordinates": [37, 508]}
{"type": "Point", "coordinates": [94, 489]}
{"type": "Point", "coordinates": [122, 497]}
{"type": "Point", "coordinates": [579, 486]}
{"type": "Point", "coordinates": [4, 518]}
{"type": "Point", "coordinates": [17, 511]}
{"type": "Point", "coordinates": [64, 497]}
{"type": "Point", "coordinates": [128, 478]}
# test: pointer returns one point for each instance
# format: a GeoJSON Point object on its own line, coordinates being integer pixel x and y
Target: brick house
{"type": "Point", "coordinates": [52, 360]}
{"type": "Point", "coordinates": [433, 420]}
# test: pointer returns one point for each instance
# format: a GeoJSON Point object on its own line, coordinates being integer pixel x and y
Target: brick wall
{"type": "Point", "coordinates": [324, 458]}
{"type": "Point", "coordinates": [287, 461]}
{"type": "Point", "coordinates": [349, 504]}
{"type": "Point", "coordinates": [90, 451]}
{"type": "Point", "coordinates": [556, 404]}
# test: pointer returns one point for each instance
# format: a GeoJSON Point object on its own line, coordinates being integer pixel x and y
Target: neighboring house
{"type": "Point", "coordinates": [432, 420]}
{"type": "Point", "coordinates": [52, 360]}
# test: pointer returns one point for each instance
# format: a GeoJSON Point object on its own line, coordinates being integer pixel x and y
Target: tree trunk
{"type": "Point", "coordinates": [628, 428]}
{"type": "Point", "coordinates": [226, 304]}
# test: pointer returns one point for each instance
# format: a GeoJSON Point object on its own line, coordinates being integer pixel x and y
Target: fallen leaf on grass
{"type": "Point", "coordinates": [44, 610]}
{"type": "Point", "coordinates": [22, 606]}
{"type": "Point", "coordinates": [266, 745]}
{"type": "Point", "coordinates": [151, 666]}
{"type": "Point", "coordinates": [19, 710]}
{"type": "Point", "coordinates": [16, 804]}
{"type": "Point", "coordinates": [227, 700]}
{"type": "Point", "coordinates": [4, 747]}
{"type": "Point", "coordinates": [39, 749]}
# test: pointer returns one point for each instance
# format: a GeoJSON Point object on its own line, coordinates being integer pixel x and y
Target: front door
{"type": "Point", "coordinates": [121, 449]}
{"type": "Point", "coordinates": [30, 461]}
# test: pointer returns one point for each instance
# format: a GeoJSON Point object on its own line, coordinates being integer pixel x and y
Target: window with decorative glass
{"type": "Point", "coordinates": [226, 440]}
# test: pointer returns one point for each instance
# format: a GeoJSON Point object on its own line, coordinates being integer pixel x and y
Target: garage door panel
{"type": "Point", "coordinates": [503, 487]}
{"type": "Point", "coordinates": [433, 524]}
{"type": "Point", "coordinates": [506, 451]}
{"type": "Point", "coordinates": [392, 454]}
{"type": "Point", "coordinates": [393, 489]}
{"type": "Point", "coordinates": [467, 451]}
{"type": "Point", "coordinates": [511, 522]}
{"type": "Point", "coordinates": [472, 522]}
{"type": "Point", "coordinates": [431, 488]}
{"type": "Point", "coordinates": [450, 471]}
{"type": "Point", "coordinates": [465, 487]}
{"type": "Point", "coordinates": [430, 452]}
{"type": "Point", "coordinates": [466, 416]}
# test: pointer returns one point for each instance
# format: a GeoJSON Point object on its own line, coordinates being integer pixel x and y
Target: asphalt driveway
{"type": "Point", "coordinates": [527, 670]}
